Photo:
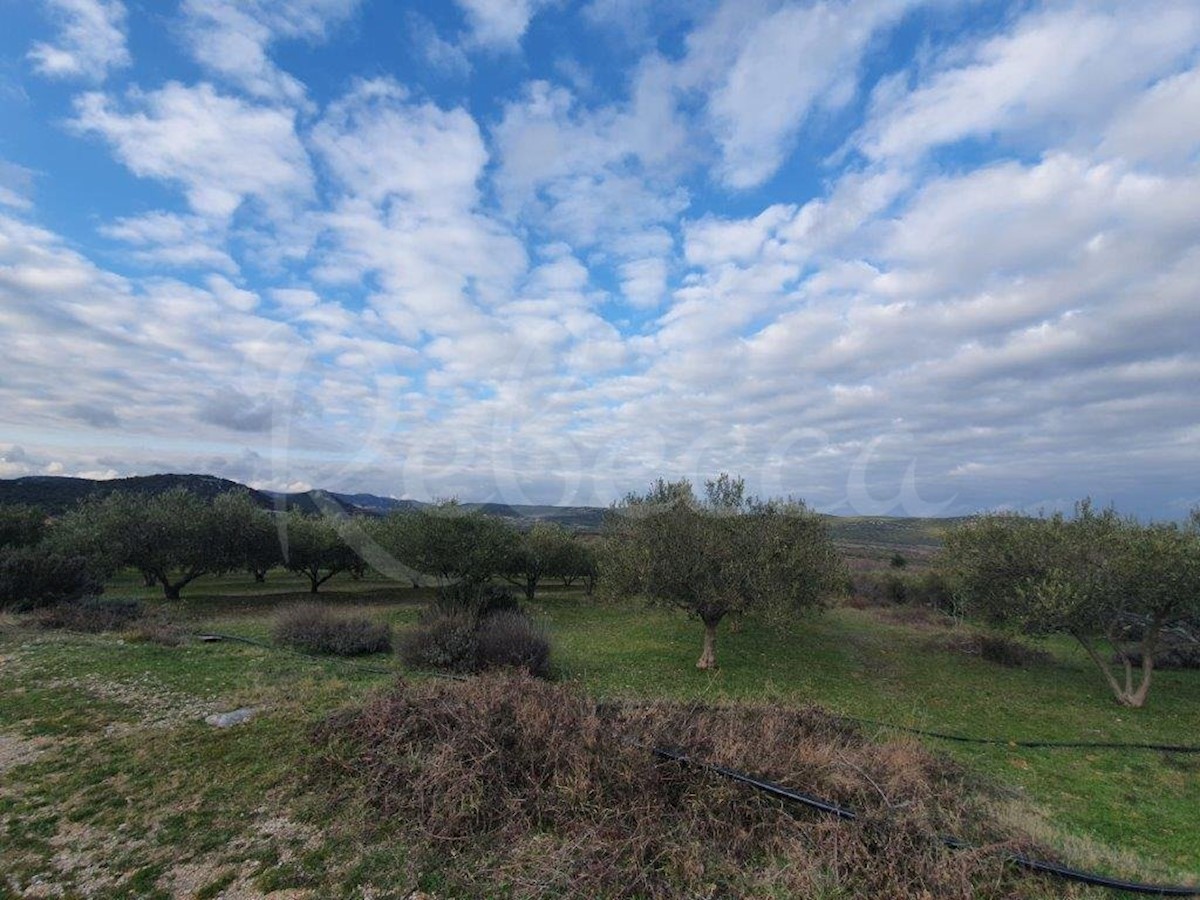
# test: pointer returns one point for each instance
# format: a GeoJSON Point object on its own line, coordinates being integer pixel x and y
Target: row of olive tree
{"type": "Point", "coordinates": [1098, 577]}
{"type": "Point", "coordinates": [456, 545]}
{"type": "Point", "coordinates": [175, 537]}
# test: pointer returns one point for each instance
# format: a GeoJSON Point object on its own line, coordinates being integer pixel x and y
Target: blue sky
{"type": "Point", "coordinates": [894, 257]}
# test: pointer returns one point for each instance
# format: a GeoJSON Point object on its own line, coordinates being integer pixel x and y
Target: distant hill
{"type": "Point", "coordinates": [372, 503]}
{"type": "Point", "coordinates": [890, 531]}
{"type": "Point", "coordinates": [56, 494]}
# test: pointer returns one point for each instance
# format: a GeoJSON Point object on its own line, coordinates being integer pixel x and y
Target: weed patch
{"type": "Point", "coordinates": [536, 789]}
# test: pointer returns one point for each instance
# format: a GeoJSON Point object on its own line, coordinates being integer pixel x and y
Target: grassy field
{"type": "Point", "coordinates": [111, 785]}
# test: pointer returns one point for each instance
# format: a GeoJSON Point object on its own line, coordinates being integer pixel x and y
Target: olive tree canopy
{"type": "Point", "coordinates": [726, 554]}
{"type": "Point", "coordinates": [1097, 577]}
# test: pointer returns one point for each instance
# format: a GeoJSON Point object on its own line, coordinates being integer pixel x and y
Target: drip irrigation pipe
{"type": "Point", "coordinates": [841, 812]}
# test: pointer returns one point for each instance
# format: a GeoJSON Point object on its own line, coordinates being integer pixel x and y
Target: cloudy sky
{"type": "Point", "coordinates": [890, 256]}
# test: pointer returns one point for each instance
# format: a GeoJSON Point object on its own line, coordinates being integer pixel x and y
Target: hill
{"type": "Point", "coordinates": [57, 495]}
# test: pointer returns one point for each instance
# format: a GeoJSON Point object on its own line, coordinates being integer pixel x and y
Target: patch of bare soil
{"type": "Point", "coordinates": [17, 751]}
{"type": "Point", "coordinates": [156, 706]}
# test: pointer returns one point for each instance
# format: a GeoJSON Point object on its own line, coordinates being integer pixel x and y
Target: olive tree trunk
{"type": "Point", "coordinates": [708, 656]}
{"type": "Point", "coordinates": [1129, 694]}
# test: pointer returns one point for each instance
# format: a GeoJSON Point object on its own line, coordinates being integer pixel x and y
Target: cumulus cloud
{"type": "Point", "coordinates": [407, 210]}
{"type": "Point", "coordinates": [169, 239]}
{"type": "Point", "coordinates": [232, 39]}
{"type": "Point", "coordinates": [789, 64]}
{"type": "Point", "coordinates": [1039, 81]}
{"type": "Point", "coordinates": [499, 24]}
{"type": "Point", "coordinates": [91, 40]}
{"type": "Point", "coordinates": [545, 293]}
{"type": "Point", "coordinates": [221, 150]}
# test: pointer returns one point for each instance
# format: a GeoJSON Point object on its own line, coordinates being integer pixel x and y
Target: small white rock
{"type": "Point", "coordinates": [237, 717]}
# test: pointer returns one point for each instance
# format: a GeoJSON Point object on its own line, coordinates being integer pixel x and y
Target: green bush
{"type": "Point", "coordinates": [35, 577]}
{"type": "Point", "coordinates": [316, 628]}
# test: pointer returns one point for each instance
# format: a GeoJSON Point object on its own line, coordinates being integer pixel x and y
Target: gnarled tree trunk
{"type": "Point", "coordinates": [708, 656]}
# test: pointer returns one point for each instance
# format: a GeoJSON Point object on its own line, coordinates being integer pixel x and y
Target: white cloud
{"type": "Point", "coordinates": [16, 186]}
{"type": "Point", "coordinates": [231, 38]}
{"type": "Point", "coordinates": [1053, 77]}
{"type": "Point", "coordinates": [407, 210]}
{"type": "Point", "coordinates": [644, 281]}
{"type": "Point", "coordinates": [594, 175]}
{"type": "Point", "coordinates": [1161, 126]}
{"type": "Point", "coordinates": [442, 55]}
{"type": "Point", "coordinates": [380, 146]}
{"type": "Point", "coordinates": [170, 239]}
{"type": "Point", "coordinates": [91, 40]}
{"type": "Point", "coordinates": [221, 150]}
{"type": "Point", "coordinates": [789, 64]}
{"type": "Point", "coordinates": [499, 24]}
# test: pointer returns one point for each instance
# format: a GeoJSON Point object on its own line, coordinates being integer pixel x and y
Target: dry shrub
{"type": "Point", "coordinates": [444, 641]}
{"type": "Point", "coordinates": [89, 616]}
{"type": "Point", "coordinates": [316, 628]}
{"type": "Point", "coordinates": [994, 647]}
{"type": "Point", "coordinates": [536, 791]}
{"type": "Point", "coordinates": [151, 631]}
{"type": "Point", "coordinates": [462, 642]}
{"type": "Point", "coordinates": [867, 589]}
{"type": "Point", "coordinates": [513, 640]}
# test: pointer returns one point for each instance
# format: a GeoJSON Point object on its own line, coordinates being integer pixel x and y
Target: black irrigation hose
{"type": "Point", "coordinates": [213, 636]}
{"type": "Point", "coordinates": [841, 812]}
{"type": "Point", "coordinates": [1075, 745]}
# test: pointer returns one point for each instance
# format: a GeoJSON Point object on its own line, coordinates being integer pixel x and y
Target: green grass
{"type": "Point", "coordinates": [119, 765]}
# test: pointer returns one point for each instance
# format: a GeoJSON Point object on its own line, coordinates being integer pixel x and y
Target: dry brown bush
{"type": "Point", "coordinates": [535, 790]}
{"type": "Point", "coordinates": [1001, 649]}
{"type": "Point", "coordinates": [91, 615]}
{"type": "Point", "coordinates": [154, 631]}
{"type": "Point", "coordinates": [317, 628]}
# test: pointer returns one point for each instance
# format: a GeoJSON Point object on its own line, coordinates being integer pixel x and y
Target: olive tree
{"type": "Point", "coordinates": [542, 550]}
{"type": "Point", "coordinates": [314, 547]}
{"type": "Point", "coordinates": [21, 525]}
{"type": "Point", "coordinates": [724, 555]}
{"type": "Point", "coordinates": [450, 543]}
{"type": "Point", "coordinates": [1097, 577]}
{"type": "Point", "coordinates": [173, 537]}
{"type": "Point", "coordinates": [579, 560]}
